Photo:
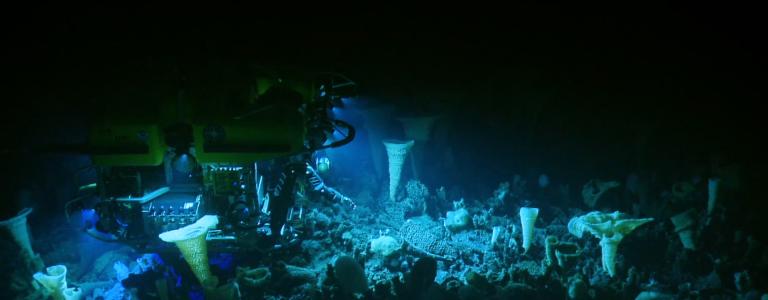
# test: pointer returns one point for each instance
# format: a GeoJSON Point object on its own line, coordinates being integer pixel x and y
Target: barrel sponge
{"type": "Point", "coordinates": [350, 275]}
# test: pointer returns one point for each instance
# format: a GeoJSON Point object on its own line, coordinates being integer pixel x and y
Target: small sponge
{"type": "Point", "coordinates": [385, 245]}
{"type": "Point", "coordinates": [457, 220]}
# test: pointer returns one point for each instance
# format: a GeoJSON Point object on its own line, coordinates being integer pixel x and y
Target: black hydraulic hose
{"type": "Point", "coordinates": [348, 139]}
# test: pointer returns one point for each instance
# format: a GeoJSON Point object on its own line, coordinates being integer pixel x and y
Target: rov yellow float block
{"type": "Point", "coordinates": [126, 145]}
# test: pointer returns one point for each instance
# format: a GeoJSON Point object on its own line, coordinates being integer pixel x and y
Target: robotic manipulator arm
{"type": "Point", "coordinates": [290, 174]}
{"type": "Point", "coordinates": [314, 179]}
{"type": "Point", "coordinates": [285, 197]}
{"type": "Point", "coordinates": [320, 128]}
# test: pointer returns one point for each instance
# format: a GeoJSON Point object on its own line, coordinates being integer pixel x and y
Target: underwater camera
{"type": "Point", "coordinates": [161, 173]}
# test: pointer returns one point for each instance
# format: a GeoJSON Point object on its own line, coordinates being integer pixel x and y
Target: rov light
{"type": "Point", "coordinates": [179, 139]}
{"type": "Point", "coordinates": [184, 162]}
{"type": "Point", "coordinates": [323, 164]}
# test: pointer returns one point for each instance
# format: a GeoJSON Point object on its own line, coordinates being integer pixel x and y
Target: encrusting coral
{"type": "Point", "coordinates": [427, 237]}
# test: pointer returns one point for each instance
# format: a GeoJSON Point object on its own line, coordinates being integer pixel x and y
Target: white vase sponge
{"type": "Point", "coordinates": [610, 228]}
{"type": "Point", "coordinates": [54, 281]}
{"type": "Point", "coordinates": [609, 246]}
{"type": "Point", "coordinates": [17, 226]}
{"type": "Point", "coordinates": [192, 244]}
{"type": "Point", "coordinates": [528, 217]}
{"type": "Point", "coordinates": [397, 151]}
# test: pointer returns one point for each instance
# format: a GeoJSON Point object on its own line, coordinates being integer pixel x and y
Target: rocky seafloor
{"type": "Point", "coordinates": [437, 243]}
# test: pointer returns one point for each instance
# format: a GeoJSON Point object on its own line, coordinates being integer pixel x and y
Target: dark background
{"type": "Point", "coordinates": [567, 89]}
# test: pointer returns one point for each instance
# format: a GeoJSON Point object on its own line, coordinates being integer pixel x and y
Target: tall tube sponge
{"type": "Point", "coordinates": [397, 151]}
{"type": "Point", "coordinates": [377, 119]}
{"type": "Point", "coordinates": [18, 228]}
{"type": "Point", "coordinates": [685, 223]}
{"type": "Point", "coordinates": [609, 246]}
{"type": "Point", "coordinates": [418, 129]}
{"type": "Point", "coordinates": [713, 187]}
{"type": "Point", "coordinates": [610, 228]}
{"type": "Point", "coordinates": [528, 217]}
